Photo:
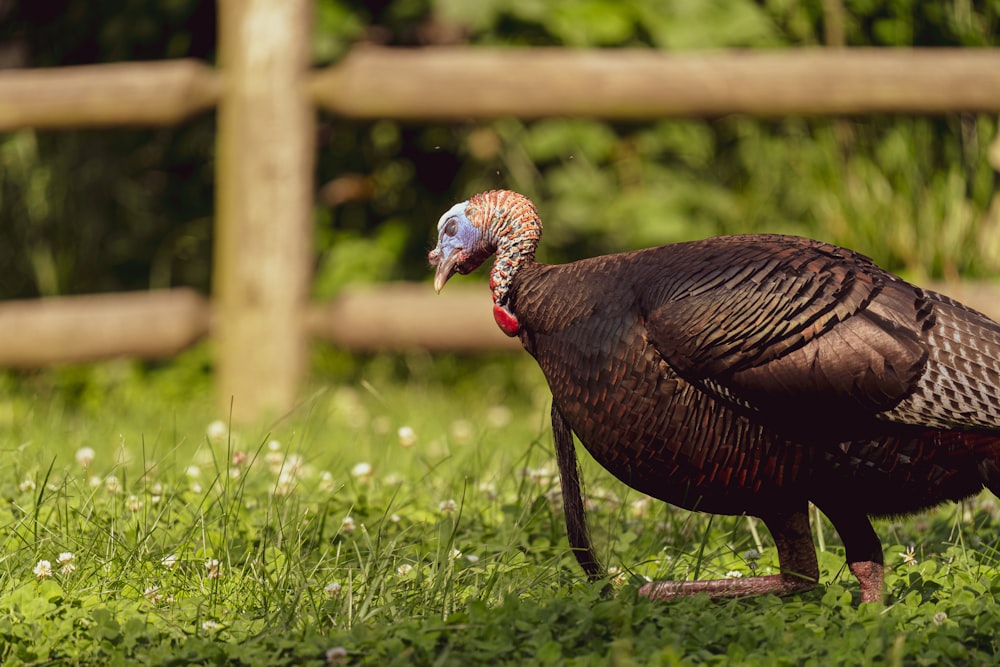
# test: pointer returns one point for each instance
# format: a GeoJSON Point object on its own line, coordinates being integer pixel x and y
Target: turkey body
{"type": "Point", "coordinates": [753, 375]}
{"type": "Point", "coordinates": [668, 401]}
{"type": "Point", "coordinates": [727, 376]}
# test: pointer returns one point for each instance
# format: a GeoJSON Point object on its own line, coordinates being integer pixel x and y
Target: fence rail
{"type": "Point", "coordinates": [141, 93]}
{"type": "Point", "coordinates": [460, 82]}
{"type": "Point", "coordinates": [266, 95]}
{"type": "Point", "coordinates": [394, 316]}
{"type": "Point", "coordinates": [154, 324]}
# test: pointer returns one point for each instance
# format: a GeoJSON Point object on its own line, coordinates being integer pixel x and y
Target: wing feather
{"type": "Point", "coordinates": [790, 327]}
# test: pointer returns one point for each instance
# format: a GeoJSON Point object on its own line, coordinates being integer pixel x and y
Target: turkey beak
{"type": "Point", "coordinates": [446, 267]}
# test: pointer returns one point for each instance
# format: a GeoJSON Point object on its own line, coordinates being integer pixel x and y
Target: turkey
{"type": "Point", "coordinates": [747, 374]}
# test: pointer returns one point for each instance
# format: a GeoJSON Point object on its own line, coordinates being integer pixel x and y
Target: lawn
{"type": "Point", "coordinates": [407, 512]}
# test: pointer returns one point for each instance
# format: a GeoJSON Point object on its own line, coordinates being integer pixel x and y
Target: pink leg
{"type": "Point", "coordinates": [869, 575]}
{"type": "Point", "coordinates": [864, 550]}
{"type": "Point", "coordinates": [775, 584]}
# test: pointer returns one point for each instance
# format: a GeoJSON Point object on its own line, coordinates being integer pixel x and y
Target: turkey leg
{"type": "Point", "coordinates": [572, 498]}
{"type": "Point", "coordinates": [863, 550]}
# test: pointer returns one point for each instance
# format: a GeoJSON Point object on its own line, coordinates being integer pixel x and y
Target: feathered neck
{"type": "Point", "coordinates": [512, 228]}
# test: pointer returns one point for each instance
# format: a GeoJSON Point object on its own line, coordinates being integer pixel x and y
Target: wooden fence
{"type": "Point", "coordinates": [266, 95]}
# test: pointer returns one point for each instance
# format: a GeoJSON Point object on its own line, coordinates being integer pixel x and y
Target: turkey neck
{"type": "Point", "coordinates": [509, 260]}
{"type": "Point", "coordinates": [514, 230]}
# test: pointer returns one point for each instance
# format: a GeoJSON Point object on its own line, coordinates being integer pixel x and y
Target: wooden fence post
{"type": "Point", "coordinates": [264, 197]}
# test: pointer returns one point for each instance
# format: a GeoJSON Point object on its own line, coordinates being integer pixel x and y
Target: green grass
{"type": "Point", "coordinates": [194, 544]}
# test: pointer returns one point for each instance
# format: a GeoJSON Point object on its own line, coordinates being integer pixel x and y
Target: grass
{"type": "Point", "coordinates": [407, 512]}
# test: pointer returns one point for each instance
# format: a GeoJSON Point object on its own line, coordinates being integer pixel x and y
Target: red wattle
{"type": "Point", "coordinates": [506, 320]}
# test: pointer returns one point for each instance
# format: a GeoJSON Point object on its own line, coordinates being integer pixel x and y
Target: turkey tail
{"type": "Point", "coordinates": [960, 385]}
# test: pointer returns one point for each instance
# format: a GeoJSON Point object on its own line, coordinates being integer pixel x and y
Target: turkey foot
{"type": "Point", "coordinates": [776, 584]}
{"type": "Point", "coordinates": [796, 556]}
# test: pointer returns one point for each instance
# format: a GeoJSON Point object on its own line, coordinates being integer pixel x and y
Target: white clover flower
{"type": "Point", "coordinates": [404, 569]}
{"type": "Point", "coordinates": [472, 558]}
{"type": "Point", "coordinates": [293, 464]}
{"type": "Point", "coordinates": [395, 518]}
{"type": "Point", "coordinates": [734, 574]}
{"type": "Point", "coordinates": [362, 471]}
{"type": "Point", "coordinates": [169, 561]}
{"type": "Point", "coordinates": [274, 461]}
{"type": "Point", "coordinates": [65, 560]}
{"type": "Point", "coordinates": [939, 618]}
{"type": "Point", "coordinates": [333, 590]}
{"type": "Point", "coordinates": [196, 487]}
{"type": "Point", "coordinates": [210, 626]}
{"type": "Point", "coordinates": [347, 525]}
{"type": "Point", "coordinates": [618, 576]}
{"type": "Point", "coordinates": [85, 456]}
{"type": "Point", "coordinates": [489, 490]}
{"type": "Point", "coordinates": [217, 432]}
{"type": "Point", "coordinates": [640, 506]}
{"type": "Point", "coordinates": [407, 436]}
{"type": "Point", "coordinates": [274, 445]}
{"type": "Point", "coordinates": [133, 504]}
{"type": "Point", "coordinates": [448, 506]}
{"type": "Point", "coordinates": [214, 568]}
{"type": "Point", "coordinates": [95, 481]}
{"type": "Point", "coordinates": [285, 484]}
{"type": "Point", "coordinates": [455, 554]}
{"type": "Point", "coordinates": [239, 458]}
{"type": "Point", "coordinates": [27, 485]}
{"type": "Point", "coordinates": [43, 569]}
{"type": "Point", "coordinates": [112, 485]}
{"type": "Point", "coordinates": [153, 594]}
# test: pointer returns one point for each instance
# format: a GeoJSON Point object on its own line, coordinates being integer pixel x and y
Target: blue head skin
{"type": "Point", "coordinates": [462, 244]}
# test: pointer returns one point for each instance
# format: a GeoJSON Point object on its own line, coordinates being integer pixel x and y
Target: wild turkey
{"type": "Point", "coordinates": [746, 375]}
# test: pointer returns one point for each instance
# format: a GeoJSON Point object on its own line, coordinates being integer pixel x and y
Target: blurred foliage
{"type": "Point", "coordinates": [106, 210]}
{"type": "Point", "coordinates": [128, 209]}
